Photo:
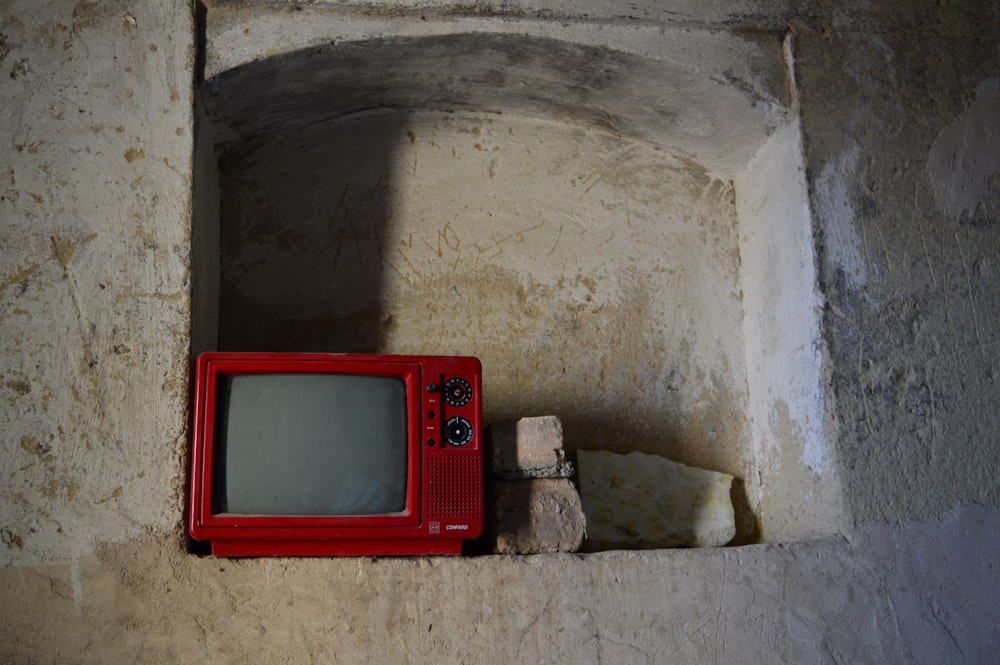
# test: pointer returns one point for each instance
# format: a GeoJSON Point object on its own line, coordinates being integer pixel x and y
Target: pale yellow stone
{"type": "Point", "coordinates": [647, 501]}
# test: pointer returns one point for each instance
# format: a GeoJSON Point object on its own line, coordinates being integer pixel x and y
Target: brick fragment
{"type": "Point", "coordinates": [529, 448]}
{"type": "Point", "coordinates": [536, 516]}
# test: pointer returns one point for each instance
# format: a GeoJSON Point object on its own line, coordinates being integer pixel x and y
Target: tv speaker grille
{"type": "Point", "coordinates": [455, 487]}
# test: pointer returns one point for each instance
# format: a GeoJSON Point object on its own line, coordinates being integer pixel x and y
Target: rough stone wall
{"type": "Point", "coordinates": [900, 118]}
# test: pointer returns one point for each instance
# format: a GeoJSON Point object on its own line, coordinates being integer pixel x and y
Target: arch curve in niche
{"type": "Point", "coordinates": [580, 217]}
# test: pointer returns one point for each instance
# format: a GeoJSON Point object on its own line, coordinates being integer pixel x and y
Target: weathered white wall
{"type": "Point", "coordinates": [94, 272]}
{"type": "Point", "coordinates": [907, 252]}
{"type": "Point", "coordinates": [795, 479]}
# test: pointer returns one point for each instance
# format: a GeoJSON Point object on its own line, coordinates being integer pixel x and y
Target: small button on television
{"type": "Point", "coordinates": [306, 454]}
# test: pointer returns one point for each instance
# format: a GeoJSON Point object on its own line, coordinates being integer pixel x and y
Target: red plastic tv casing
{"type": "Point", "coordinates": [444, 489]}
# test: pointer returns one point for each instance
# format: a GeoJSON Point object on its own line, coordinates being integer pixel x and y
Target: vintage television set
{"type": "Point", "coordinates": [298, 454]}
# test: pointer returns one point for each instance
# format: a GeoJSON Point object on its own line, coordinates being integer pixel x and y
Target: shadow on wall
{"type": "Point", "coordinates": [303, 217]}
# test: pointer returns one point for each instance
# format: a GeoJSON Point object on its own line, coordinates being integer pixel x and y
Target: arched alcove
{"type": "Point", "coordinates": [617, 227]}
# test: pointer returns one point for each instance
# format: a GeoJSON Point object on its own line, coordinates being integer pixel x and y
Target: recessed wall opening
{"type": "Point", "coordinates": [621, 235]}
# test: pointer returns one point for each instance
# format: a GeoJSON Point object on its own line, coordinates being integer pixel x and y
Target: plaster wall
{"type": "Point", "coordinates": [95, 215]}
{"type": "Point", "coordinates": [906, 208]}
{"type": "Point", "coordinates": [95, 272]}
{"type": "Point", "coordinates": [924, 593]}
{"type": "Point", "coordinates": [595, 277]}
{"type": "Point", "coordinates": [794, 480]}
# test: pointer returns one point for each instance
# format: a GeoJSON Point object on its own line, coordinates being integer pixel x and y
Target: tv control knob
{"type": "Point", "coordinates": [458, 431]}
{"type": "Point", "coordinates": [457, 392]}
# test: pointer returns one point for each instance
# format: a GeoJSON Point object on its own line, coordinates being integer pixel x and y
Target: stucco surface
{"type": "Point", "coordinates": [596, 278]}
{"type": "Point", "coordinates": [94, 299]}
{"type": "Point", "coordinates": [924, 593]}
{"type": "Point", "coordinates": [93, 272]}
{"type": "Point", "coordinates": [910, 277]}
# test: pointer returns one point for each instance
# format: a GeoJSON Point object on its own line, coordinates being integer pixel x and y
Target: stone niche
{"type": "Point", "coordinates": [614, 220]}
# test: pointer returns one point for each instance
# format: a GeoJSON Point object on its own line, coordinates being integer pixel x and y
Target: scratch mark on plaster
{"type": "Point", "coordinates": [408, 263]}
{"type": "Point", "coordinates": [379, 184]}
{"type": "Point", "coordinates": [590, 187]}
{"type": "Point", "coordinates": [923, 237]}
{"type": "Point", "coordinates": [139, 295]}
{"type": "Point", "coordinates": [115, 493]}
{"type": "Point", "coordinates": [833, 201]}
{"type": "Point", "coordinates": [544, 611]}
{"type": "Point", "coordinates": [885, 249]}
{"type": "Point", "coordinates": [496, 250]}
{"type": "Point", "coordinates": [891, 606]}
{"type": "Point", "coordinates": [386, 262]}
{"type": "Point", "coordinates": [721, 613]}
{"type": "Point", "coordinates": [74, 573]}
{"type": "Point", "coordinates": [968, 282]}
{"type": "Point", "coordinates": [864, 384]}
{"type": "Point", "coordinates": [446, 237]}
{"type": "Point", "coordinates": [519, 234]}
{"type": "Point", "coordinates": [793, 84]}
{"type": "Point", "coordinates": [965, 349]}
{"type": "Point", "coordinates": [450, 237]}
{"type": "Point", "coordinates": [609, 239]}
{"type": "Point", "coordinates": [558, 238]}
{"type": "Point", "coordinates": [866, 254]}
{"type": "Point", "coordinates": [63, 251]}
{"type": "Point", "coordinates": [936, 614]}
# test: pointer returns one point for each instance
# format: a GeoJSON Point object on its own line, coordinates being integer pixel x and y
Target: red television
{"type": "Point", "coordinates": [306, 454]}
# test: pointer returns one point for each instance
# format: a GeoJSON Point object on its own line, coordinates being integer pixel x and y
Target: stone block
{"type": "Point", "coordinates": [640, 501]}
{"type": "Point", "coordinates": [529, 448]}
{"type": "Point", "coordinates": [537, 515]}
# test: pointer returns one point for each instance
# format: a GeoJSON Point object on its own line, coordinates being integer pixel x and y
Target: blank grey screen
{"type": "Point", "coordinates": [310, 444]}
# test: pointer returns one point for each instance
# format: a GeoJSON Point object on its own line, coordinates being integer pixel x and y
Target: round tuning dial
{"type": "Point", "coordinates": [457, 392]}
{"type": "Point", "coordinates": [458, 431]}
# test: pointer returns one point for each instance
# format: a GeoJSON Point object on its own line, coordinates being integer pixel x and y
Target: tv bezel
{"type": "Point", "coordinates": [403, 532]}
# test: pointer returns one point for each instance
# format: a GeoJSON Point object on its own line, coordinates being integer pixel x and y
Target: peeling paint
{"type": "Point", "coordinates": [133, 154]}
{"type": "Point", "coordinates": [834, 191]}
{"type": "Point", "coordinates": [62, 251]}
{"type": "Point", "coordinates": [796, 480]}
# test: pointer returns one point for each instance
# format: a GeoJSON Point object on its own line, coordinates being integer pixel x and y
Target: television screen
{"type": "Point", "coordinates": [310, 444]}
